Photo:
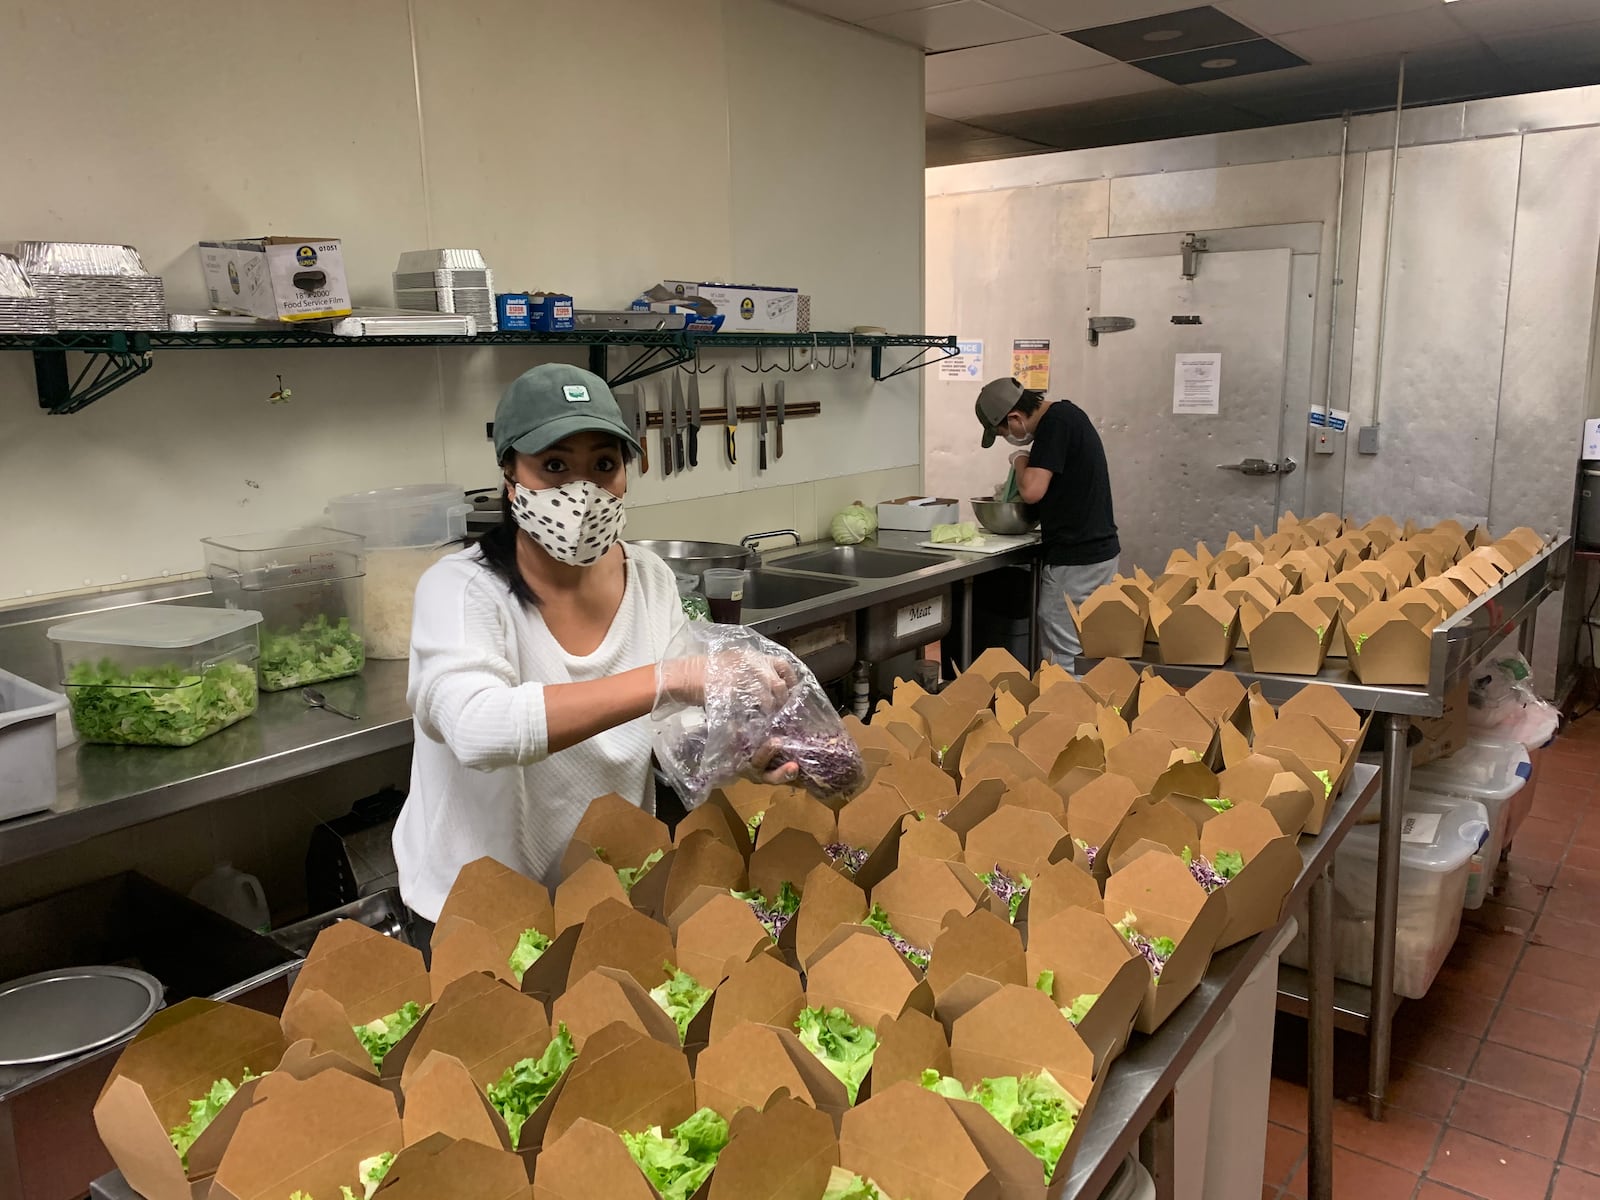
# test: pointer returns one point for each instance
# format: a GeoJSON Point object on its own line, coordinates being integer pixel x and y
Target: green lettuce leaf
{"type": "Point", "coordinates": [879, 920]}
{"type": "Point", "coordinates": [318, 650]}
{"type": "Point", "coordinates": [383, 1035]}
{"type": "Point", "coordinates": [1218, 804]}
{"type": "Point", "coordinates": [1038, 1111]}
{"type": "Point", "coordinates": [844, 1185]}
{"type": "Point", "coordinates": [841, 1045]}
{"type": "Point", "coordinates": [1359, 641]}
{"type": "Point", "coordinates": [676, 1166]}
{"type": "Point", "coordinates": [1046, 982]}
{"type": "Point", "coordinates": [201, 1113]}
{"type": "Point", "coordinates": [371, 1172]}
{"type": "Point", "coordinates": [628, 876]}
{"type": "Point", "coordinates": [158, 706]}
{"type": "Point", "coordinates": [530, 947]}
{"type": "Point", "coordinates": [1228, 863]}
{"type": "Point", "coordinates": [754, 823]}
{"type": "Point", "coordinates": [517, 1094]}
{"type": "Point", "coordinates": [681, 997]}
{"type": "Point", "coordinates": [1327, 781]}
{"type": "Point", "coordinates": [774, 915]}
{"type": "Point", "coordinates": [1079, 1008]}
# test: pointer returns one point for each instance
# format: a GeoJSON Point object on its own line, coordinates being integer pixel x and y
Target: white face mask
{"type": "Point", "coordinates": [1025, 439]}
{"type": "Point", "coordinates": [575, 523]}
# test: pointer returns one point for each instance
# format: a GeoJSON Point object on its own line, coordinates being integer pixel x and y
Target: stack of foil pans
{"type": "Point", "coordinates": [94, 286]}
{"type": "Point", "coordinates": [455, 281]}
{"type": "Point", "coordinates": [21, 309]}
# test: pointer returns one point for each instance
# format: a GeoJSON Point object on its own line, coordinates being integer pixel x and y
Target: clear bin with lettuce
{"type": "Point", "coordinates": [306, 584]}
{"type": "Point", "coordinates": [158, 674]}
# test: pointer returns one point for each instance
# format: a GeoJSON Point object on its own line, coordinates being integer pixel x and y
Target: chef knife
{"type": "Point", "coordinates": [780, 420]}
{"type": "Point", "coordinates": [694, 418]}
{"type": "Point", "coordinates": [761, 440]}
{"type": "Point", "coordinates": [678, 421]}
{"type": "Point", "coordinates": [731, 402]}
{"type": "Point", "coordinates": [633, 415]}
{"type": "Point", "coordinates": [664, 406]}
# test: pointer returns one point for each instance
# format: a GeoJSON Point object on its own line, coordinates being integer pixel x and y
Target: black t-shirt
{"type": "Point", "coordinates": [1075, 514]}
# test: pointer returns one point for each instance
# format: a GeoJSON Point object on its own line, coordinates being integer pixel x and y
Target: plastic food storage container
{"type": "Point", "coordinates": [695, 605]}
{"type": "Point", "coordinates": [306, 584]}
{"type": "Point", "coordinates": [1492, 772]}
{"type": "Point", "coordinates": [159, 674]}
{"type": "Point", "coordinates": [1438, 839]}
{"type": "Point", "coordinates": [407, 529]}
{"type": "Point", "coordinates": [27, 745]}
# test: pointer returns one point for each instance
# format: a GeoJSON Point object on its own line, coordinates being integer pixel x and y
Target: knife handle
{"type": "Point", "coordinates": [732, 446]}
{"type": "Point", "coordinates": [694, 445]}
{"type": "Point", "coordinates": [761, 463]}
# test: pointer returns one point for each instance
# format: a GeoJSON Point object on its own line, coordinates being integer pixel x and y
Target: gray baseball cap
{"type": "Point", "coordinates": [997, 399]}
{"type": "Point", "coordinates": [552, 402]}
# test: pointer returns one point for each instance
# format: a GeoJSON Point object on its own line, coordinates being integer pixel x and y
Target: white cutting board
{"type": "Point", "coordinates": [987, 543]}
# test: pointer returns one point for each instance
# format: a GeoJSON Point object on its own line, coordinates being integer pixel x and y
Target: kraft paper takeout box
{"type": "Point", "coordinates": [487, 910]}
{"type": "Point", "coordinates": [352, 976]}
{"type": "Point", "coordinates": [1087, 956]}
{"type": "Point", "coordinates": [618, 935]}
{"type": "Point", "coordinates": [445, 1168]}
{"type": "Point", "coordinates": [332, 1122]}
{"type": "Point", "coordinates": [1201, 631]}
{"type": "Point", "coordinates": [1254, 897]}
{"type": "Point", "coordinates": [1167, 902]}
{"type": "Point", "coordinates": [827, 901]}
{"type": "Point", "coordinates": [175, 1058]}
{"type": "Point", "coordinates": [979, 945]}
{"type": "Point", "coordinates": [765, 991]}
{"type": "Point", "coordinates": [912, 1142]}
{"type": "Point", "coordinates": [1306, 746]}
{"type": "Point", "coordinates": [616, 832]}
{"type": "Point", "coordinates": [790, 858]}
{"type": "Point", "coordinates": [1141, 757]}
{"type": "Point", "coordinates": [785, 1151]}
{"type": "Point", "coordinates": [714, 932]}
{"type": "Point", "coordinates": [1055, 889]}
{"type": "Point", "coordinates": [1180, 722]}
{"type": "Point", "coordinates": [859, 971]}
{"type": "Point", "coordinates": [590, 1162]}
{"type": "Point", "coordinates": [870, 817]}
{"type": "Point", "coordinates": [1390, 643]}
{"type": "Point", "coordinates": [626, 1081]}
{"type": "Point", "coordinates": [750, 1064]}
{"type": "Point", "coordinates": [1220, 698]}
{"type": "Point", "coordinates": [919, 894]}
{"type": "Point", "coordinates": [1291, 639]}
{"type": "Point", "coordinates": [1096, 811]}
{"type": "Point", "coordinates": [699, 860]}
{"type": "Point", "coordinates": [1020, 841]}
{"type": "Point", "coordinates": [484, 1023]}
{"type": "Point", "coordinates": [1112, 682]}
{"type": "Point", "coordinates": [589, 885]}
{"type": "Point", "coordinates": [1111, 622]}
{"type": "Point", "coordinates": [607, 996]}
{"type": "Point", "coordinates": [1262, 780]}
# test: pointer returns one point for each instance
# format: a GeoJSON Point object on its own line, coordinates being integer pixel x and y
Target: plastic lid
{"type": "Point", "coordinates": [306, 537]}
{"type": "Point", "coordinates": [158, 626]}
{"type": "Point", "coordinates": [1439, 833]}
{"type": "Point", "coordinates": [411, 493]}
{"type": "Point", "coordinates": [1484, 768]}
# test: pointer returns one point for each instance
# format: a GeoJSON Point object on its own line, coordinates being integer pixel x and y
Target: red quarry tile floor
{"type": "Point", "coordinates": [1496, 1092]}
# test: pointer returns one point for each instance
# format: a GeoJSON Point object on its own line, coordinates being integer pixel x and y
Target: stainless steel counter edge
{"type": "Point", "coordinates": [1148, 1070]}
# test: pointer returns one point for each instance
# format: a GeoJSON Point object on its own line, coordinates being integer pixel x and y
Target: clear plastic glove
{"type": "Point", "coordinates": [730, 704]}
{"type": "Point", "coordinates": [1019, 460]}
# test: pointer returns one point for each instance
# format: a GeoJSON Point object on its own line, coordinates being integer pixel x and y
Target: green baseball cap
{"type": "Point", "coordinates": [995, 403]}
{"type": "Point", "coordinates": [552, 402]}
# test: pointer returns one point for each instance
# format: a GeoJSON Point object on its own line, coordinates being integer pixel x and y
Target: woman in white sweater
{"type": "Point", "coordinates": [537, 654]}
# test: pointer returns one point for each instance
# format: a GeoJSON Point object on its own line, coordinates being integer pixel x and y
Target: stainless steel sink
{"type": "Point", "coordinates": [767, 590]}
{"type": "Point", "coordinates": [860, 562]}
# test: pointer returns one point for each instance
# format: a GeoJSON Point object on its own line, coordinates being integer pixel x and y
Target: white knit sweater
{"type": "Point", "coordinates": [483, 781]}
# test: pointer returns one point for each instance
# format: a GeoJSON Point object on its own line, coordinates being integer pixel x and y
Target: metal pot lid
{"type": "Point", "coordinates": [57, 1014]}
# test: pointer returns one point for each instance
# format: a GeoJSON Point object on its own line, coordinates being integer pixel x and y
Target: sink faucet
{"type": "Point", "coordinates": [751, 541]}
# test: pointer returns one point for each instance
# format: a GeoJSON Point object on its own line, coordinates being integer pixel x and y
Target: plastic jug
{"type": "Point", "coordinates": [235, 894]}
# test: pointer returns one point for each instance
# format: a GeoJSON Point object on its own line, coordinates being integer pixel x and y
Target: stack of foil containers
{"type": "Point", "coordinates": [446, 281]}
{"type": "Point", "coordinates": [94, 286]}
{"type": "Point", "coordinates": [21, 309]}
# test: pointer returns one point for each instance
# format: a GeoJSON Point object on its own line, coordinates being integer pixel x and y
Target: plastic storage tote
{"type": "Point", "coordinates": [1439, 836]}
{"type": "Point", "coordinates": [306, 584]}
{"type": "Point", "coordinates": [1195, 1101]}
{"type": "Point", "coordinates": [1492, 772]}
{"type": "Point", "coordinates": [1243, 1086]}
{"type": "Point", "coordinates": [27, 745]}
{"type": "Point", "coordinates": [158, 674]}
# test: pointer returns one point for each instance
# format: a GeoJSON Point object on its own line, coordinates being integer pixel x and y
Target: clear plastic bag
{"type": "Point", "coordinates": [1503, 702]}
{"type": "Point", "coordinates": [732, 705]}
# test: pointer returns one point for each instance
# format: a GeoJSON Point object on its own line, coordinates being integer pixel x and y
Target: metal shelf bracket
{"type": "Point", "coordinates": [126, 358]}
{"type": "Point", "coordinates": [915, 363]}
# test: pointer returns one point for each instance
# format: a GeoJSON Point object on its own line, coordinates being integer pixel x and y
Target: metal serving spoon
{"type": "Point", "coordinates": [316, 699]}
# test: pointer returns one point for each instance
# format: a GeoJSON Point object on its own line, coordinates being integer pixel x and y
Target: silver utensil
{"type": "Point", "coordinates": [315, 699]}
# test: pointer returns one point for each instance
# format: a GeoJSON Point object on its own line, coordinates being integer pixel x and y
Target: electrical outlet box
{"type": "Point", "coordinates": [1367, 440]}
{"type": "Point", "coordinates": [1321, 443]}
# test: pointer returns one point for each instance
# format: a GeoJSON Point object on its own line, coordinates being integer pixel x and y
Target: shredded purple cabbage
{"type": "Point", "coordinates": [830, 763]}
{"type": "Point", "coordinates": [1008, 889]}
{"type": "Point", "coordinates": [1205, 874]}
{"type": "Point", "coordinates": [849, 858]}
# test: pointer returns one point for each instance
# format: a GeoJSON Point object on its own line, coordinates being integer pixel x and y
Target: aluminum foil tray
{"type": "Point", "coordinates": [478, 301]}
{"type": "Point", "coordinates": [443, 279]}
{"type": "Point", "coordinates": [94, 302]}
{"type": "Point", "coordinates": [26, 315]}
{"type": "Point", "coordinates": [440, 260]}
{"type": "Point", "coordinates": [14, 281]}
{"type": "Point", "coordinates": [594, 319]}
{"type": "Point", "coordinates": [378, 324]}
{"type": "Point", "coordinates": [79, 258]}
{"type": "Point", "coordinates": [212, 322]}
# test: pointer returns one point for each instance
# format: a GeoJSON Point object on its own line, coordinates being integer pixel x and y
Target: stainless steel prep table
{"type": "Point", "coordinates": [102, 789]}
{"type": "Point", "coordinates": [1135, 1105]}
{"type": "Point", "coordinates": [1459, 645]}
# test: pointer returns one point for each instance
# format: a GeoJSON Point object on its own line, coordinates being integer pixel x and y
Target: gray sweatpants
{"type": "Point", "coordinates": [1058, 636]}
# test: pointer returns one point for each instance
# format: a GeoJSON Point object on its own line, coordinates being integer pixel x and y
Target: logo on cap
{"type": "Point", "coordinates": [575, 393]}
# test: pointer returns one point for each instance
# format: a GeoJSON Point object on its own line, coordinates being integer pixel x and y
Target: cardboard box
{"type": "Point", "coordinates": [1291, 639]}
{"type": "Point", "coordinates": [1020, 841]}
{"type": "Point", "coordinates": [444, 1168]}
{"type": "Point", "coordinates": [920, 892]}
{"type": "Point", "coordinates": [625, 1081]}
{"type": "Point", "coordinates": [1112, 682]}
{"type": "Point", "coordinates": [443, 1100]}
{"type": "Point", "coordinates": [1141, 757]}
{"type": "Point", "coordinates": [617, 935]}
{"type": "Point", "coordinates": [1167, 902]}
{"type": "Point", "coordinates": [1201, 631]}
{"type": "Point", "coordinates": [979, 945]}
{"type": "Point", "coordinates": [485, 1024]}
{"type": "Point", "coordinates": [918, 514]}
{"type": "Point", "coordinates": [1056, 889]}
{"type": "Point", "coordinates": [1220, 699]}
{"type": "Point", "coordinates": [487, 910]}
{"type": "Point", "coordinates": [607, 996]}
{"type": "Point", "coordinates": [589, 1162]}
{"type": "Point", "coordinates": [174, 1059]}
{"type": "Point", "coordinates": [765, 991]}
{"type": "Point", "coordinates": [859, 971]}
{"type": "Point", "coordinates": [352, 976]}
{"type": "Point", "coordinates": [1111, 623]}
{"type": "Point", "coordinates": [592, 883]}
{"type": "Point", "coordinates": [332, 1120]}
{"type": "Point", "coordinates": [1179, 722]}
{"type": "Point", "coordinates": [1390, 643]}
{"type": "Point", "coordinates": [1306, 746]}
{"type": "Point", "coordinates": [1088, 957]}
{"type": "Point", "coordinates": [785, 1151]}
{"type": "Point", "coordinates": [277, 278]}
{"type": "Point", "coordinates": [750, 1064]}
{"type": "Point", "coordinates": [699, 860]}
{"type": "Point", "coordinates": [716, 932]}
{"type": "Point", "coordinates": [618, 833]}
{"type": "Point", "coordinates": [827, 901]}
{"type": "Point", "coordinates": [748, 308]}
{"type": "Point", "coordinates": [1096, 811]}
{"type": "Point", "coordinates": [1254, 898]}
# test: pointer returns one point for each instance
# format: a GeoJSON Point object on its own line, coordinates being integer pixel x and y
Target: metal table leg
{"type": "Point", "coordinates": [1319, 1028]}
{"type": "Point", "coordinates": [1158, 1151]}
{"type": "Point", "coordinates": [964, 654]}
{"type": "Point", "coordinates": [1380, 1024]}
{"type": "Point", "coordinates": [1034, 651]}
{"type": "Point", "coordinates": [1525, 634]}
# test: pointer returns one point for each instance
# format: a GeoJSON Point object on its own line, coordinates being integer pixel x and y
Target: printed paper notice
{"type": "Point", "coordinates": [1030, 363]}
{"type": "Point", "coordinates": [966, 365]}
{"type": "Point", "coordinates": [1197, 384]}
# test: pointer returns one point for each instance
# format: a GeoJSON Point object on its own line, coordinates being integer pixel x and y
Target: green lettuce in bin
{"type": "Point", "coordinates": [681, 997]}
{"type": "Point", "coordinates": [841, 1045]}
{"type": "Point", "coordinates": [383, 1035]}
{"type": "Point", "coordinates": [158, 706]}
{"type": "Point", "coordinates": [530, 948]}
{"type": "Point", "coordinates": [202, 1112]}
{"type": "Point", "coordinates": [678, 1164]}
{"type": "Point", "coordinates": [519, 1091]}
{"type": "Point", "coordinates": [1038, 1111]}
{"type": "Point", "coordinates": [320, 649]}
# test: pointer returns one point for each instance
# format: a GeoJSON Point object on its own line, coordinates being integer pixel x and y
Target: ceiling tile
{"type": "Point", "coordinates": [856, 11]}
{"type": "Point", "coordinates": [1571, 44]}
{"type": "Point", "coordinates": [1379, 35]}
{"type": "Point", "coordinates": [1041, 91]}
{"type": "Point", "coordinates": [1170, 33]}
{"type": "Point", "coordinates": [1273, 17]}
{"type": "Point", "coordinates": [1490, 17]}
{"type": "Point", "coordinates": [982, 150]}
{"type": "Point", "coordinates": [1074, 127]}
{"type": "Point", "coordinates": [952, 26]}
{"type": "Point", "coordinates": [1062, 15]}
{"type": "Point", "coordinates": [1046, 54]}
{"type": "Point", "coordinates": [1220, 62]}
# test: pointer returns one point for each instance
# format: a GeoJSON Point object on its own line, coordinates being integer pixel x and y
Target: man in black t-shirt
{"type": "Point", "coordinates": [1061, 472]}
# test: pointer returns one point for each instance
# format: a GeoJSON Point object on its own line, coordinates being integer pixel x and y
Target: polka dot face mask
{"type": "Point", "coordinates": [575, 523]}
